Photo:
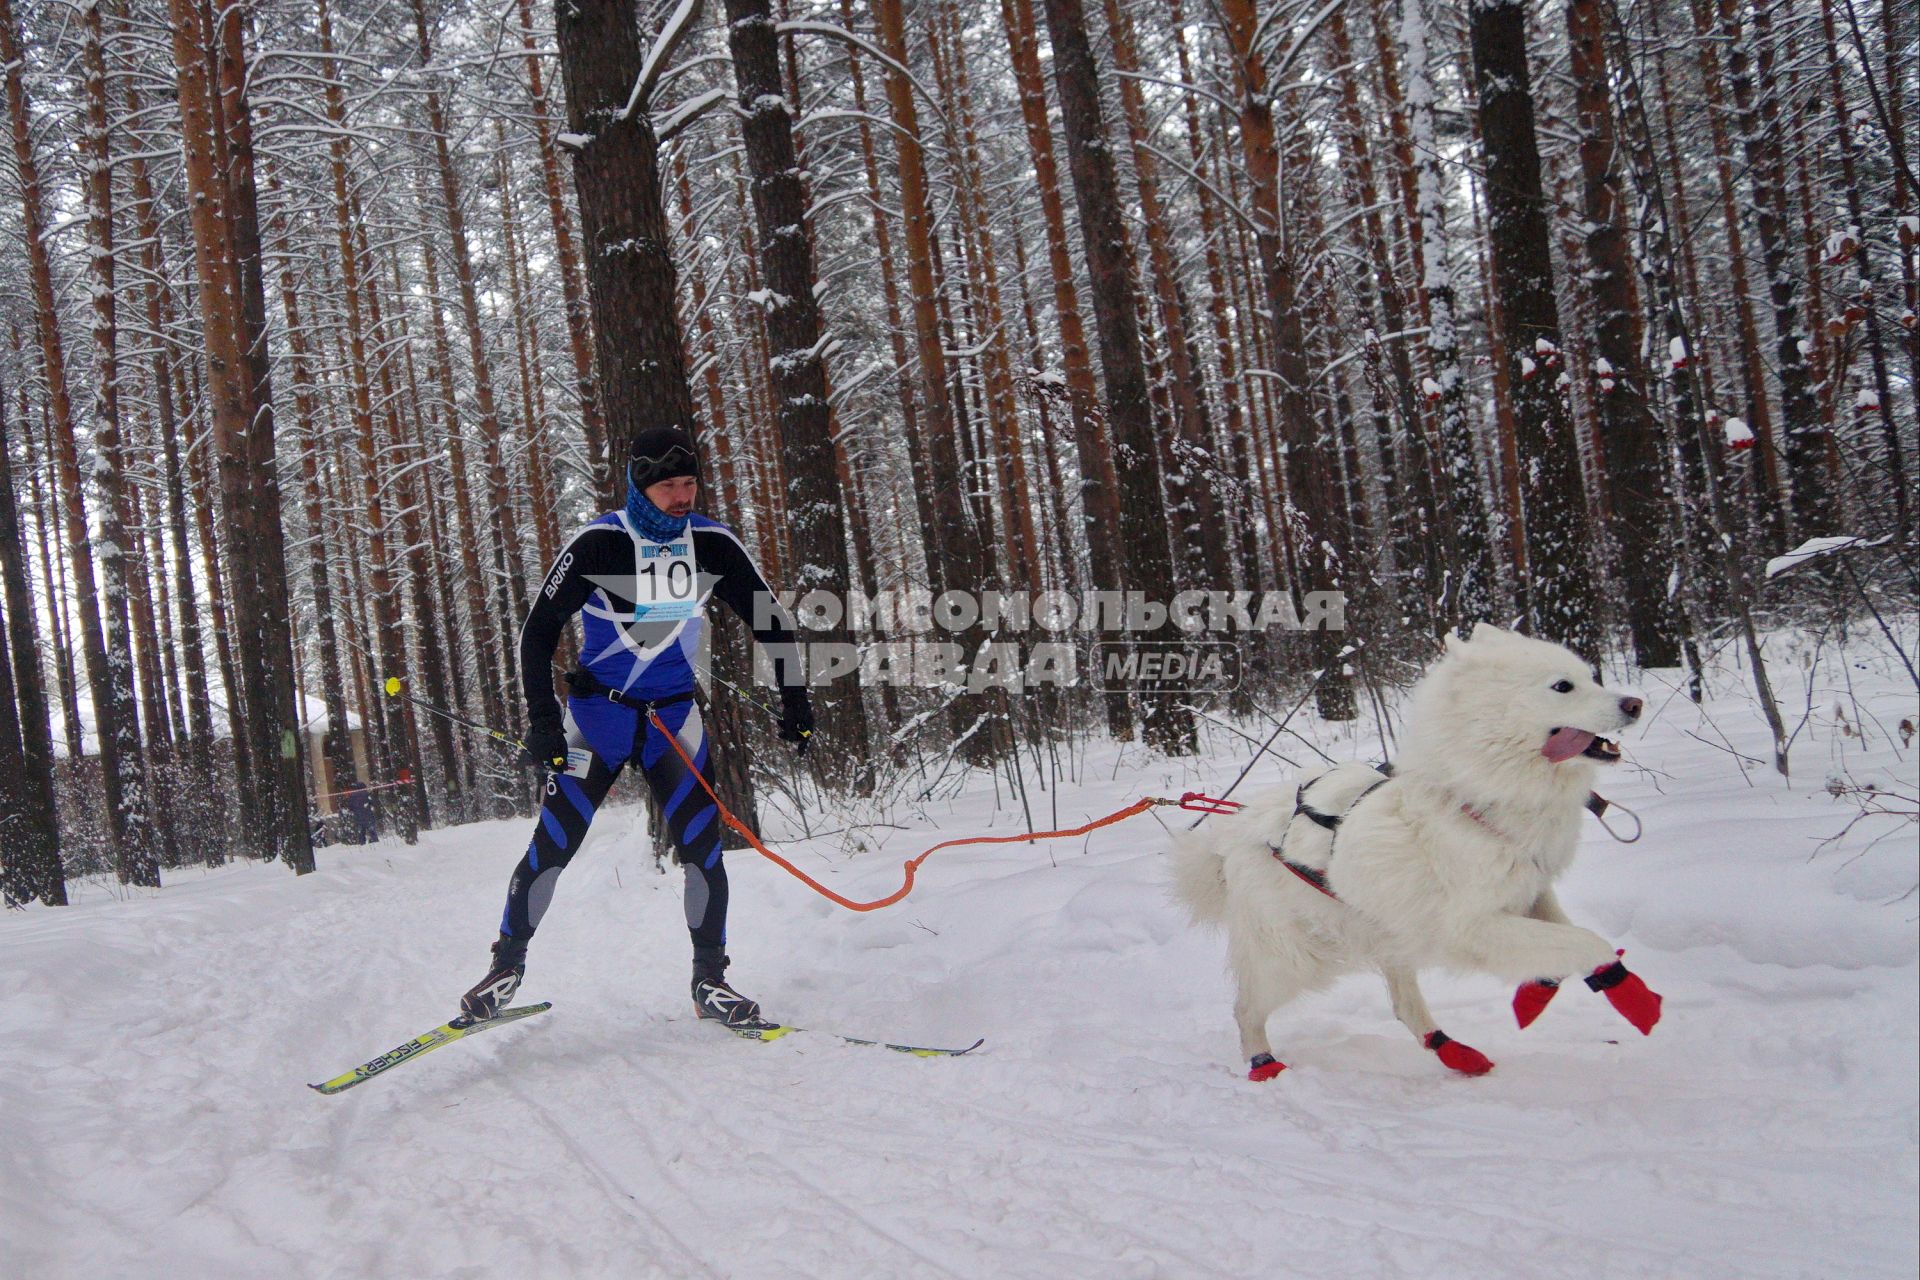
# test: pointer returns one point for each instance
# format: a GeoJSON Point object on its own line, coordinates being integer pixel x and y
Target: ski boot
{"type": "Point", "coordinates": [714, 999]}
{"type": "Point", "coordinates": [495, 991]}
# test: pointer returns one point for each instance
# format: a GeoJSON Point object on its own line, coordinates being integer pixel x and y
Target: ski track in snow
{"type": "Point", "coordinates": [155, 1049]}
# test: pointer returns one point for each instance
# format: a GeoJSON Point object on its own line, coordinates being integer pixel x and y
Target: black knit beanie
{"type": "Point", "coordinates": [661, 453]}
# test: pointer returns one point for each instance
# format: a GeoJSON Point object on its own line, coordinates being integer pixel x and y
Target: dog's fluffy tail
{"type": "Point", "coordinates": [1199, 878]}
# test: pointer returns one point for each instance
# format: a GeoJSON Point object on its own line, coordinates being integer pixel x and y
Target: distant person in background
{"type": "Point", "coordinates": [359, 806]}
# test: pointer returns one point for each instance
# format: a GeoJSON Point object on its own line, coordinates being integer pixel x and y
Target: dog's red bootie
{"type": "Point", "coordinates": [1464, 1058]}
{"type": "Point", "coordinates": [1636, 1002]}
{"type": "Point", "coordinates": [1532, 998]}
{"type": "Point", "coordinates": [1265, 1067]}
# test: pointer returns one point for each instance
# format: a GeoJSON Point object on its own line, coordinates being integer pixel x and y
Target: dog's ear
{"type": "Point", "coordinates": [1486, 633]}
{"type": "Point", "coordinates": [1454, 642]}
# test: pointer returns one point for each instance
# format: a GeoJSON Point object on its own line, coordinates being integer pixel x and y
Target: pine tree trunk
{"type": "Point", "coordinates": [1316, 527]}
{"type": "Point", "coordinates": [1903, 194]}
{"type": "Point", "coordinates": [1399, 110]}
{"type": "Point", "coordinates": [1198, 535]}
{"type": "Point", "coordinates": [1690, 426]}
{"type": "Point", "coordinates": [1410, 251]}
{"type": "Point", "coordinates": [1403, 469]}
{"type": "Point", "coordinates": [526, 337]}
{"type": "Point", "coordinates": [1093, 441]}
{"type": "Point", "coordinates": [1146, 556]}
{"type": "Point", "coordinates": [217, 145]}
{"type": "Point", "coordinates": [337, 743]}
{"type": "Point", "coordinates": [1254, 338]}
{"type": "Point", "coordinates": [1009, 451]}
{"type": "Point", "coordinates": [762, 462]}
{"type": "Point", "coordinates": [249, 473]}
{"type": "Point", "coordinates": [52, 571]}
{"type": "Point", "coordinates": [959, 561]}
{"type": "Point", "coordinates": [406, 463]}
{"type": "Point", "coordinates": [1806, 437]}
{"type": "Point", "coordinates": [109, 671]}
{"type": "Point", "coordinates": [816, 514]}
{"type": "Point", "coordinates": [1635, 456]}
{"type": "Point", "coordinates": [1863, 261]}
{"type": "Point", "coordinates": [154, 556]}
{"type": "Point", "coordinates": [1237, 427]}
{"type": "Point", "coordinates": [507, 549]}
{"type": "Point", "coordinates": [18, 866]}
{"type": "Point", "coordinates": [395, 751]}
{"type": "Point", "coordinates": [422, 423]}
{"type": "Point", "coordinates": [1560, 586]}
{"type": "Point", "coordinates": [1826, 358]}
{"type": "Point", "coordinates": [890, 292]}
{"type": "Point", "coordinates": [148, 655]}
{"type": "Point", "coordinates": [137, 843]}
{"type": "Point", "coordinates": [30, 856]}
{"type": "Point", "coordinates": [1769, 495]}
{"type": "Point", "coordinates": [630, 269]}
{"type": "Point", "coordinates": [1682, 211]}
{"type": "Point", "coordinates": [1056, 550]}
{"type": "Point", "coordinates": [160, 318]}
{"type": "Point", "coordinates": [956, 558]}
{"type": "Point", "coordinates": [490, 658]}
{"type": "Point", "coordinates": [199, 481]}
{"type": "Point", "coordinates": [606, 471]}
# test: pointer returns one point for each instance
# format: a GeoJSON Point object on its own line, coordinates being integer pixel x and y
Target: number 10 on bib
{"type": "Point", "coordinates": [666, 586]}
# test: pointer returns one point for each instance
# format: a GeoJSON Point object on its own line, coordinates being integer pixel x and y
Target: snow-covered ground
{"type": "Point", "coordinates": [154, 1054]}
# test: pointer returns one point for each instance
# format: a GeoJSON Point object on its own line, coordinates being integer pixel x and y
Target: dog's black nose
{"type": "Point", "coordinates": [1632, 707]}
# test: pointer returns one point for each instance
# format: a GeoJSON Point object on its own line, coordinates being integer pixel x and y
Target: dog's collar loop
{"type": "Point", "coordinates": [1598, 805]}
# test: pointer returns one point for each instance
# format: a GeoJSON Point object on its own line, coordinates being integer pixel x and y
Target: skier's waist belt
{"type": "Point", "coordinates": [586, 685]}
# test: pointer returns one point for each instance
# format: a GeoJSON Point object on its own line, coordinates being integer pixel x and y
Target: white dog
{"type": "Point", "coordinates": [1447, 859]}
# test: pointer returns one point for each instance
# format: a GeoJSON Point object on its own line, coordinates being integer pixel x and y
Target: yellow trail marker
{"type": "Point", "coordinates": [393, 686]}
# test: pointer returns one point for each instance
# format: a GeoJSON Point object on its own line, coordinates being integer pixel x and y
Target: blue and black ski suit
{"type": "Point", "coordinates": [642, 605]}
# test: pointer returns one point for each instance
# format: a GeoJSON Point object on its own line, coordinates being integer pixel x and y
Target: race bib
{"type": "Point", "coordinates": [666, 585]}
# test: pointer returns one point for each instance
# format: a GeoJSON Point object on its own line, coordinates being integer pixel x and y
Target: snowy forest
{"type": "Point", "coordinates": [1174, 428]}
{"type": "Point", "coordinates": [325, 324]}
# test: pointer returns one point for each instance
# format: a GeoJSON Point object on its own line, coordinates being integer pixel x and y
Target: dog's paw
{"type": "Point", "coordinates": [1464, 1058]}
{"type": "Point", "coordinates": [1531, 1000]}
{"type": "Point", "coordinates": [1636, 1002]}
{"type": "Point", "coordinates": [1265, 1067]}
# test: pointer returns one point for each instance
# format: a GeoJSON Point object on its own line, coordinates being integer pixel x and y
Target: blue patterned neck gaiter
{"type": "Point", "coordinates": [650, 521]}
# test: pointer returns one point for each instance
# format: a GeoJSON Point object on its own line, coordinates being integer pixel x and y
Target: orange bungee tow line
{"type": "Point", "coordinates": [1190, 800]}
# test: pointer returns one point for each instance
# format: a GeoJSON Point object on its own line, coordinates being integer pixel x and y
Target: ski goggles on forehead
{"type": "Point", "coordinates": [673, 453]}
{"type": "Point", "coordinates": [674, 462]}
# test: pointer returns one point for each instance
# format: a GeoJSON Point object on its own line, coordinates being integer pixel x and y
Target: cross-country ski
{"type": "Point", "coordinates": [769, 1031]}
{"type": "Point", "coordinates": [458, 1029]}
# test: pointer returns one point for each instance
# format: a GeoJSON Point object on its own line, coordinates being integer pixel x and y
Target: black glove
{"type": "Point", "coordinates": [796, 719]}
{"type": "Point", "coordinates": [546, 746]}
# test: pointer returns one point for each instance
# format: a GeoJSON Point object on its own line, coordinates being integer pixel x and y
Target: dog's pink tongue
{"type": "Point", "coordinates": [1565, 744]}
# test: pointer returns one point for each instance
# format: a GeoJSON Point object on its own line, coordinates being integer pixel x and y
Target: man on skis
{"type": "Point", "coordinates": [640, 578]}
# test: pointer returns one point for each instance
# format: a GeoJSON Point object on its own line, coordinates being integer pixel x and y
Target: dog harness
{"type": "Point", "coordinates": [1314, 876]}
{"type": "Point", "coordinates": [1596, 804]}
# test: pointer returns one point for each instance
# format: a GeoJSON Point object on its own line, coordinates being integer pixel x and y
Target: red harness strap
{"type": "Point", "coordinates": [1331, 821]}
{"type": "Point", "coordinates": [1481, 818]}
{"type": "Point", "coordinates": [1309, 875]}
